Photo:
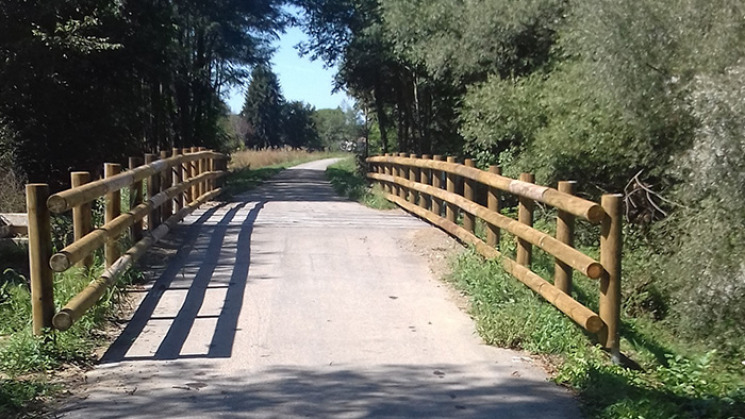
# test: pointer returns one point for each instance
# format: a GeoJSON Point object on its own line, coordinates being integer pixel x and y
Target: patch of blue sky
{"type": "Point", "coordinates": [300, 78]}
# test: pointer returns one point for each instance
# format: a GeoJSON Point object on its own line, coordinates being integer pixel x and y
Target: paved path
{"type": "Point", "coordinates": [292, 302]}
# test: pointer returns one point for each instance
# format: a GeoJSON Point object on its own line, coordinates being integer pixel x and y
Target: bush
{"type": "Point", "coordinates": [705, 271]}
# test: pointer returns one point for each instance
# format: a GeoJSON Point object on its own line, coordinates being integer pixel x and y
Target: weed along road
{"type": "Point", "coordinates": [289, 301]}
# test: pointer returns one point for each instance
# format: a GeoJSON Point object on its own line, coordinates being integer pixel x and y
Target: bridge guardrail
{"type": "Point", "coordinates": [416, 184]}
{"type": "Point", "coordinates": [176, 185]}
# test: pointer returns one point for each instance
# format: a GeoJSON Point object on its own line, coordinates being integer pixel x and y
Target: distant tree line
{"type": "Point", "coordinates": [273, 122]}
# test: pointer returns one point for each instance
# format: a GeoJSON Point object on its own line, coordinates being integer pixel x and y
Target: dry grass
{"type": "Point", "coordinates": [256, 159]}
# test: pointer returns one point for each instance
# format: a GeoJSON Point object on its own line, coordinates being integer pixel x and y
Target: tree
{"type": "Point", "coordinates": [335, 126]}
{"type": "Point", "coordinates": [93, 81]}
{"type": "Point", "coordinates": [263, 109]}
{"type": "Point", "coordinates": [299, 126]}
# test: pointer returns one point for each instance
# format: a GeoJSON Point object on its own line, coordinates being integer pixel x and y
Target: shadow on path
{"type": "Point", "coordinates": [224, 263]}
{"type": "Point", "coordinates": [205, 278]}
{"type": "Point", "coordinates": [389, 391]}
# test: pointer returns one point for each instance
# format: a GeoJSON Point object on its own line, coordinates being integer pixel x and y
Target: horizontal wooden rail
{"type": "Point", "coordinates": [78, 250]}
{"type": "Point", "coordinates": [569, 255]}
{"type": "Point", "coordinates": [66, 200]}
{"type": "Point", "coordinates": [569, 306]}
{"type": "Point", "coordinates": [416, 185]}
{"type": "Point", "coordinates": [78, 305]}
{"type": "Point", "coordinates": [168, 181]}
{"type": "Point", "coordinates": [579, 207]}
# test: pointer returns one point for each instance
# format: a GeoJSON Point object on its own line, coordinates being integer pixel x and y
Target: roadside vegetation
{"type": "Point", "coordinates": [27, 361]}
{"type": "Point", "coordinates": [676, 378]}
{"type": "Point", "coordinates": [347, 180]}
{"type": "Point", "coordinates": [640, 97]}
{"type": "Point", "coordinates": [668, 376]}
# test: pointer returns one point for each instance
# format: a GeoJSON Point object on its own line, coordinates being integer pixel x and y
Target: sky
{"type": "Point", "coordinates": [300, 78]}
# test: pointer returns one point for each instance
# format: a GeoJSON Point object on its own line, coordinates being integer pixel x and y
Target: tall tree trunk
{"type": "Point", "coordinates": [382, 120]}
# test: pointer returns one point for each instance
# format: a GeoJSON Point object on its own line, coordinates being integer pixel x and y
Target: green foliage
{"type": "Point", "coordinates": [262, 109]}
{"type": "Point", "coordinates": [22, 353]}
{"type": "Point", "coordinates": [708, 231]}
{"type": "Point", "coordinates": [694, 385]}
{"type": "Point", "coordinates": [300, 126]}
{"type": "Point", "coordinates": [336, 126]}
{"type": "Point", "coordinates": [22, 397]}
{"type": "Point", "coordinates": [466, 41]}
{"type": "Point", "coordinates": [93, 81]}
{"type": "Point", "coordinates": [346, 179]}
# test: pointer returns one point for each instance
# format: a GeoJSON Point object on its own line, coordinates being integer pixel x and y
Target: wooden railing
{"type": "Point", "coordinates": [416, 184]}
{"type": "Point", "coordinates": [176, 185]}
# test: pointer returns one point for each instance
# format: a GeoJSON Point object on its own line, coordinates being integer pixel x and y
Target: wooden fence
{"type": "Point", "coordinates": [426, 187]}
{"type": "Point", "coordinates": [163, 191]}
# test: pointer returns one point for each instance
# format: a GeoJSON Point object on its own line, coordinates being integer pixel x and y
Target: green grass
{"type": "Point", "coordinates": [19, 398]}
{"type": "Point", "coordinates": [25, 359]}
{"type": "Point", "coordinates": [679, 379]}
{"type": "Point", "coordinates": [347, 182]}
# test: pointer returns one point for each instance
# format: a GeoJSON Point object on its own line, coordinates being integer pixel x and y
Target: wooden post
{"type": "Point", "coordinates": [413, 177]}
{"type": "Point", "coordinates": [82, 215]}
{"type": "Point", "coordinates": [39, 252]}
{"type": "Point", "coordinates": [450, 209]}
{"type": "Point", "coordinates": [565, 234]}
{"type": "Point", "coordinates": [194, 169]}
{"type": "Point", "coordinates": [492, 202]}
{"type": "Point", "coordinates": [403, 172]}
{"type": "Point", "coordinates": [186, 170]}
{"type": "Point", "coordinates": [194, 173]}
{"type": "Point", "coordinates": [388, 170]}
{"type": "Point", "coordinates": [165, 182]}
{"type": "Point", "coordinates": [525, 216]}
{"type": "Point", "coordinates": [202, 169]}
{"type": "Point", "coordinates": [211, 168]}
{"type": "Point", "coordinates": [135, 199]}
{"type": "Point", "coordinates": [610, 282]}
{"type": "Point", "coordinates": [112, 210]}
{"type": "Point", "coordinates": [153, 186]}
{"type": "Point", "coordinates": [437, 183]}
{"type": "Point", "coordinates": [469, 187]}
{"type": "Point", "coordinates": [178, 177]}
{"type": "Point", "coordinates": [424, 199]}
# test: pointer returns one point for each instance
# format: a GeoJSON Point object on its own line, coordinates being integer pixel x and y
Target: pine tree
{"type": "Point", "coordinates": [262, 109]}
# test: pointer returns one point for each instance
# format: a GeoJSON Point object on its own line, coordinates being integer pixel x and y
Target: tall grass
{"type": "Point", "coordinates": [256, 159]}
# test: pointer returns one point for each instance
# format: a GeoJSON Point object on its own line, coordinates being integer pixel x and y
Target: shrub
{"type": "Point", "coordinates": [705, 271]}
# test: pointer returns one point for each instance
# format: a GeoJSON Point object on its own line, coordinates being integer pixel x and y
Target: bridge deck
{"type": "Point", "coordinates": [292, 302]}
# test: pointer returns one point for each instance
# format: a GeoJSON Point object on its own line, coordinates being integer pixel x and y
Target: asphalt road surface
{"type": "Point", "coordinates": [290, 301]}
